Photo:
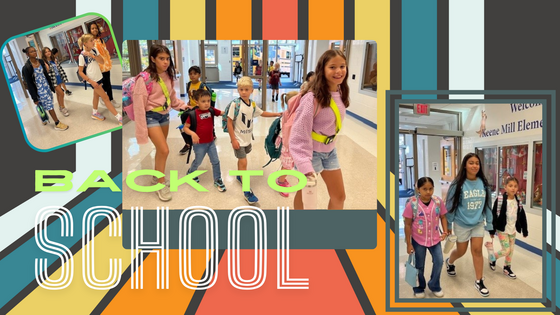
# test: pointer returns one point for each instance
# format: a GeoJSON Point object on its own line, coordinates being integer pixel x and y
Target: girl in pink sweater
{"type": "Point", "coordinates": [151, 111]}
{"type": "Point", "coordinates": [311, 155]}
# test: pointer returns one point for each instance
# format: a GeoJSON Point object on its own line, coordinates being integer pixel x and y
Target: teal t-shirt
{"type": "Point", "coordinates": [472, 208]}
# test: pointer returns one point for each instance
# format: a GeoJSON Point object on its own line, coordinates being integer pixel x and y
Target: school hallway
{"type": "Point", "coordinates": [526, 264]}
{"type": "Point", "coordinates": [81, 125]}
{"type": "Point", "coordinates": [356, 148]}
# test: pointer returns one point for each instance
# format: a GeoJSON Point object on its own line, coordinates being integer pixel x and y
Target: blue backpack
{"type": "Point", "coordinates": [272, 149]}
{"type": "Point", "coordinates": [237, 103]}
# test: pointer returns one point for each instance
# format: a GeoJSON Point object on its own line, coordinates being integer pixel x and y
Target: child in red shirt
{"type": "Point", "coordinates": [203, 137]}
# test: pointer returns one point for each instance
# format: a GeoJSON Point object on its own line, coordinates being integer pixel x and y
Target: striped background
{"type": "Point", "coordinates": [429, 45]}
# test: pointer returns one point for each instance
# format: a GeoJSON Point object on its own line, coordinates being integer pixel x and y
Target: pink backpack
{"type": "Point", "coordinates": [128, 89]}
{"type": "Point", "coordinates": [288, 118]}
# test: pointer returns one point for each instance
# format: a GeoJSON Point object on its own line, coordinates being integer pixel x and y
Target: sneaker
{"type": "Point", "coordinates": [492, 265]}
{"type": "Point", "coordinates": [164, 194]}
{"type": "Point", "coordinates": [239, 180]}
{"type": "Point", "coordinates": [283, 184]}
{"type": "Point", "coordinates": [196, 179]}
{"type": "Point", "coordinates": [115, 104]}
{"type": "Point", "coordinates": [154, 180]}
{"type": "Point", "coordinates": [68, 93]}
{"type": "Point", "coordinates": [450, 268]}
{"type": "Point", "coordinates": [479, 285]}
{"type": "Point", "coordinates": [509, 273]}
{"type": "Point", "coordinates": [98, 116]}
{"type": "Point", "coordinates": [45, 122]}
{"type": "Point", "coordinates": [420, 295]}
{"type": "Point", "coordinates": [64, 111]}
{"type": "Point", "coordinates": [250, 197]}
{"type": "Point", "coordinates": [438, 293]}
{"type": "Point", "coordinates": [184, 150]}
{"type": "Point", "coordinates": [220, 185]}
{"type": "Point", "coordinates": [276, 96]}
{"type": "Point", "coordinates": [60, 126]}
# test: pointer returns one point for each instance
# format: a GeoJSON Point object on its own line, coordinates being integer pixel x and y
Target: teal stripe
{"type": "Point", "coordinates": [19, 266]}
{"type": "Point", "coordinates": [419, 46]}
{"type": "Point", "coordinates": [140, 19]}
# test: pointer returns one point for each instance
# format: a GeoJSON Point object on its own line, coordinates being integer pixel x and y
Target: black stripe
{"type": "Point", "coordinates": [256, 19]}
{"type": "Point", "coordinates": [114, 291]}
{"type": "Point", "coordinates": [349, 19]}
{"type": "Point", "coordinates": [116, 153]}
{"type": "Point", "coordinates": [51, 269]}
{"type": "Point", "coordinates": [396, 45]}
{"type": "Point", "coordinates": [210, 19]}
{"type": "Point", "coordinates": [303, 19]}
{"type": "Point", "coordinates": [164, 11]}
{"type": "Point", "coordinates": [443, 47]}
{"type": "Point", "coordinates": [117, 21]}
{"type": "Point", "coordinates": [354, 281]}
{"type": "Point", "coordinates": [460, 305]}
{"type": "Point", "coordinates": [31, 233]}
{"type": "Point", "coordinates": [199, 294]}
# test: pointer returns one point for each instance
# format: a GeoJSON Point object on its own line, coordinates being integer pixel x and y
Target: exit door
{"type": "Point", "coordinates": [211, 63]}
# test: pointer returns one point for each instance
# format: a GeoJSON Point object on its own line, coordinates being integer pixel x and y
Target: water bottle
{"type": "Point", "coordinates": [309, 193]}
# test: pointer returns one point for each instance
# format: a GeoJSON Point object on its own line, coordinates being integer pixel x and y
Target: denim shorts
{"type": "Point", "coordinates": [464, 234]}
{"type": "Point", "coordinates": [154, 119]}
{"type": "Point", "coordinates": [325, 161]}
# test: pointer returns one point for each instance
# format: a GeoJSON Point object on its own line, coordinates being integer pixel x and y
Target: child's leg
{"type": "Point", "coordinates": [503, 237]}
{"type": "Point", "coordinates": [476, 252]}
{"type": "Point", "coordinates": [298, 201]}
{"type": "Point", "coordinates": [458, 252]}
{"type": "Point", "coordinates": [95, 100]}
{"type": "Point", "coordinates": [101, 93]}
{"type": "Point", "coordinates": [242, 164]}
{"type": "Point", "coordinates": [420, 260]}
{"type": "Point", "coordinates": [511, 243]}
{"type": "Point", "coordinates": [437, 261]}
{"type": "Point", "coordinates": [335, 187]}
{"type": "Point", "coordinates": [200, 151]}
{"type": "Point", "coordinates": [213, 155]}
{"type": "Point", "coordinates": [59, 96]}
{"type": "Point", "coordinates": [158, 135]}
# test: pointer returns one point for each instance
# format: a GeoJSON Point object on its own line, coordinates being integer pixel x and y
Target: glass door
{"type": "Point", "coordinates": [211, 62]}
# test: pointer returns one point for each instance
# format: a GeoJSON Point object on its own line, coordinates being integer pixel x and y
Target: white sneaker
{"type": "Point", "coordinates": [164, 194]}
{"type": "Point", "coordinates": [115, 104]}
{"type": "Point", "coordinates": [438, 294]}
{"type": "Point", "coordinates": [420, 295]}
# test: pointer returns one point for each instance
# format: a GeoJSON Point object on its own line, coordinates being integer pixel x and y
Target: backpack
{"type": "Point", "coordinates": [237, 103]}
{"type": "Point", "coordinates": [85, 68]}
{"type": "Point", "coordinates": [272, 147]}
{"type": "Point", "coordinates": [212, 93]}
{"type": "Point", "coordinates": [192, 114]}
{"type": "Point", "coordinates": [289, 116]}
{"type": "Point", "coordinates": [128, 88]}
{"type": "Point", "coordinates": [414, 204]}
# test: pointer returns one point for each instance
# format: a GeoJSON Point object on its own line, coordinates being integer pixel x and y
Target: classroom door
{"type": "Point", "coordinates": [211, 63]}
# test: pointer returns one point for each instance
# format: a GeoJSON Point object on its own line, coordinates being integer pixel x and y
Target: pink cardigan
{"type": "Point", "coordinates": [144, 102]}
{"type": "Point", "coordinates": [301, 144]}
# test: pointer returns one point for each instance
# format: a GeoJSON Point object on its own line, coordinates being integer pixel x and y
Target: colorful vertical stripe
{"type": "Point", "coordinates": [233, 19]}
{"type": "Point", "coordinates": [326, 19]}
{"type": "Point", "coordinates": [187, 19]}
{"type": "Point", "coordinates": [280, 23]}
{"type": "Point", "coordinates": [140, 19]}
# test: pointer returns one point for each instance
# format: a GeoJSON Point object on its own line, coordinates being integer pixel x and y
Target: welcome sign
{"type": "Point", "coordinates": [502, 120]}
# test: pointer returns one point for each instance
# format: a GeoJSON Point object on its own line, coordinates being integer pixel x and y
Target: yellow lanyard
{"type": "Point", "coordinates": [328, 139]}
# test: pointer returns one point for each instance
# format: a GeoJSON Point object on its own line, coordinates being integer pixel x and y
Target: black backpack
{"type": "Point", "coordinates": [212, 94]}
{"type": "Point", "coordinates": [192, 114]}
{"type": "Point", "coordinates": [85, 69]}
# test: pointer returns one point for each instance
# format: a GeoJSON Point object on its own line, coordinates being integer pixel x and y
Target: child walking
{"type": "Point", "coordinates": [508, 217]}
{"type": "Point", "coordinates": [275, 81]}
{"type": "Point", "coordinates": [35, 72]}
{"type": "Point", "coordinates": [94, 76]}
{"type": "Point", "coordinates": [240, 127]}
{"type": "Point", "coordinates": [151, 111]}
{"type": "Point", "coordinates": [468, 201]}
{"type": "Point", "coordinates": [422, 217]}
{"type": "Point", "coordinates": [204, 141]}
{"type": "Point", "coordinates": [64, 88]}
{"type": "Point", "coordinates": [57, 77]}
{"type": "Point", "coordinates": [318, 119]}
{"type": "Point", "coordinates": [193, 85]}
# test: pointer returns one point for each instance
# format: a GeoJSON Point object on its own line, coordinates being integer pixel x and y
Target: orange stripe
{"type": "Point", "coordinates": [150, 300]}
{"type": "Point", "coordinates": [280, 26]}
{"type": "Point", "coordinates": [326, 19]}
{"type": "Point", "coordinates": [233, 19]}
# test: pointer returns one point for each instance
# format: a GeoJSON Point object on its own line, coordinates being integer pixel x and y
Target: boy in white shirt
{"type": "Point", "coordinates": [240, 127]}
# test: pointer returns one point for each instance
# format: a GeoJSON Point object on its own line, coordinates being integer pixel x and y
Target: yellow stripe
{"type": "Point", "coordinates": [372, 23]}
{"type": "Point", "coordinates": [187, 20]}
{"type": "Point", "coordinates": [77, 298]}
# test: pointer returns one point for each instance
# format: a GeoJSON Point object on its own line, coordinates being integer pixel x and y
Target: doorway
{"type": "Point", "coordinates": [211, 62]}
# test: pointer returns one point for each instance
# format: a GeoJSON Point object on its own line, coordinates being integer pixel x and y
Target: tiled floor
{"type": "Point", "coordinates": [356, 146]}
{"type": "Point", "coordinates": [80, 123]}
